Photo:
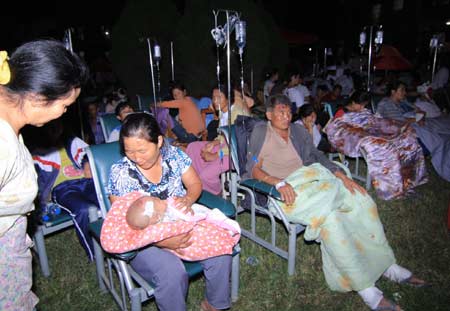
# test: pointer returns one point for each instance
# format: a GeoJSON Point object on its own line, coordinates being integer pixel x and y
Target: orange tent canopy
{"type": "Point", "coordinates": [389, 58]}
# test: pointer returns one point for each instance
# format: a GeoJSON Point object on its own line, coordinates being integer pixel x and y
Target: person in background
{"type": "Point", "coordinates": [291, 91]}
{"type": "Point", "coordinates": [394, 105]}
{"type": "Point", "coordinates": [189, 126]}
{"type": "Point", "coordinates": [94, 131]}
{"type": "Point", "coordinates": [308, 119]}
{"type": "Point", "coordinates": [440, 79]}
{"type": "Point", "coordinates": [319, 108]}
{"type": "Point", "coordinates": [271, 78]}
{"type": "Point", "coordinates": [304, 90]}
{"type": "Point", "coordinates": [122, 110]}
{"type": "Point", "coordinates": [355, 103]}
{"type": "Point", "coordinates": [425, 103]}
{"type": "Point", "coordinates": [38, 83]}
{"type": "Point", "coordinates": [346, 82]}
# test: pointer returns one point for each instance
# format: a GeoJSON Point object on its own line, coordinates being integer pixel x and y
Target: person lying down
{"type": "Point", "coordinates": [137, 220]}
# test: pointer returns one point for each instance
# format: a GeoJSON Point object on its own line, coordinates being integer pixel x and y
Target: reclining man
{"type": "Point", "coordinates": [337, 212]}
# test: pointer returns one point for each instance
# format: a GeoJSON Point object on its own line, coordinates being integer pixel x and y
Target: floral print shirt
{"type": "Point", "coordinates": [125, 177]}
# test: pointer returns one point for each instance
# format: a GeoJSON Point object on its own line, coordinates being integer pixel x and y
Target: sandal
{"type": "Point", "coordinates": [390, 307]}
{"type": "Point", "coordinates": [415, 282]}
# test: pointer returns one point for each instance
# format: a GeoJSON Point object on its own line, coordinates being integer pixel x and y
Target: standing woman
{"type": "Point", "coordinates": [37, 84]}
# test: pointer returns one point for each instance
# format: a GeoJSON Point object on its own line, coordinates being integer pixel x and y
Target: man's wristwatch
{"type": "Point", "coordinates": [280, 184]}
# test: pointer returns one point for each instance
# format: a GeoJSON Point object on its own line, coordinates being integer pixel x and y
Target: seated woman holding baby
{"type": "Point", "coordinates": [163, 171]}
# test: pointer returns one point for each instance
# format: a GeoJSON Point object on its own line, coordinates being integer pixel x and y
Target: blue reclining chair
{"type": "Point", "coordinates": [250, 188]}
{"type": "Point", "coordinates": [254, 188]}
{"type": "Point", "coordinates": [101, 157]}
{"type": "Point", "coordinates": [109, 122]}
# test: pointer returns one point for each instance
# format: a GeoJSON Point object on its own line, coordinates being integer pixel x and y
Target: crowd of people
{"type": "Point", "coordinates": [171, 155]}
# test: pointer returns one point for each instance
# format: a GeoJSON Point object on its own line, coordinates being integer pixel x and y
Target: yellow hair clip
{"type": "Point", "coordinates": [5, 73]}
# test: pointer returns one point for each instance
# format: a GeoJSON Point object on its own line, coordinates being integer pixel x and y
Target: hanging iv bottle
{"type": "Point", "coordinates": [156, 52]}
{"type": "Point", "coordinates": [241, 35]}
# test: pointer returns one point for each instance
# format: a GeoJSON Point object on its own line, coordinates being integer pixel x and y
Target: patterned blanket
{"type": "Point", "coordinates": [355, 252]}
{"type": "Point", "coordinates": [394, 157]}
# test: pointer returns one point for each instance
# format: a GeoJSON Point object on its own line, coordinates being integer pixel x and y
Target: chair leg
{"type": "Point", "coordinates": [368, 181]}
{"type": "Point", "coordinates": [292, 249]}
{"type": "Point", "coordinates": [135, 297]}
{"type": "Point", "coordinates": [41, 251]}
{"type": "Point", "coordinates": [235, 275]}
{"type": "Point", "coordinates": [98, 253]}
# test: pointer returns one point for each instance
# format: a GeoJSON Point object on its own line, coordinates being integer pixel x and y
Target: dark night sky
{"type": "Point", "coordinates": [61, 14]}
{"type": "Point", "coordinates": [330, 20]}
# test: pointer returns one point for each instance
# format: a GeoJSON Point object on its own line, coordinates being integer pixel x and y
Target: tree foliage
{"type": "Point", "coordinates": [195, 52]}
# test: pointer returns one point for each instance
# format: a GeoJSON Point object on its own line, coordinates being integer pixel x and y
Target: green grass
{"type": "Point", "coordinates": [415, 227]}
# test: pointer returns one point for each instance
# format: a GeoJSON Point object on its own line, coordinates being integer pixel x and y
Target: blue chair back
{"type": "Point", "coordinates": [109, 122]}
{"type": "Point", "coordinates": [204, 103]}
{"type": "Point", "coordinates": [101, 158]}
{"type": "Point", "coordinates": [144, 102]}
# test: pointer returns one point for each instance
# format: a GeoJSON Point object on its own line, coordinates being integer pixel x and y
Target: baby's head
{"type": "Point", "coordinates": [143, 213]}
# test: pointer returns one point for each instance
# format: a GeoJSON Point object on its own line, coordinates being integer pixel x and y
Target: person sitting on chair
{"type": "Point", "coordinates": [337, 212]}
{"type": "Point", "coordinates": [122, 110]}
{"type": "Point", "coordinates": [308, 119]}
{"type": "Point", "coordinates": [64, 177]}
{"type": "Point", "coordinates": [162, 170]}
{"type": "Point", "coordinates": [357, 101]}
{"type": "Point", "coordinates": [189, 126]}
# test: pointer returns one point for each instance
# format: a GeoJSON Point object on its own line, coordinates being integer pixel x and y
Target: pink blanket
{"type": "Point", "coordinates": [212, 235]}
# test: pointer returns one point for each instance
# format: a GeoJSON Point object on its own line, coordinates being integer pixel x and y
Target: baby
{"type": "Point", "coordinates": [137, 220]}
{"type": "Point", "coordinates": [146, 211]}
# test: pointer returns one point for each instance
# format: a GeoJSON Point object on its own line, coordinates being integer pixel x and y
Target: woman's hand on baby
{"type": "Point", "coordinates": [183, 204]}
{"type": "Point", "coordinates": [176, 243]}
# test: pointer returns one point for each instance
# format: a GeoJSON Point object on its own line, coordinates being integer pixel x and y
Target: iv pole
{"type": "Point", "coordinates": [67, 40]}
{"type": "Point", "coordinates": [152, 73]}
{"type": "Point", "coordinates": [172, 61]}
{"type": "Point", "coordinates": [220, 37]}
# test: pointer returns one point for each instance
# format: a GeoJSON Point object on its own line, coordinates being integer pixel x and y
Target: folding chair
{"type": "Point", "coordinates": [250, 187]}
{"type": "Point", "coordinates": [253, 187]}
{"type": "Point", "coordinates": [44, 228]}
{"type": "Point", "coordinates": [109, 122]}
{"type": "Point", "coordinates": [131, 284]}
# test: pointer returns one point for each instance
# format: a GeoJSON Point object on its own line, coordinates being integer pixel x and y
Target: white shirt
{"type": "Point", "coordinates": [304, 90]}
{"type": "Point", "coordinates": [347, 84]}
{"type": "Point", "coordinates": [440, 78]}
{"type": "Point", "coordinates": [295, 96]}
{"type": "Point", "coordinates": [268, 85]}
{"type": "Point", "coordinates": [430, 108]}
